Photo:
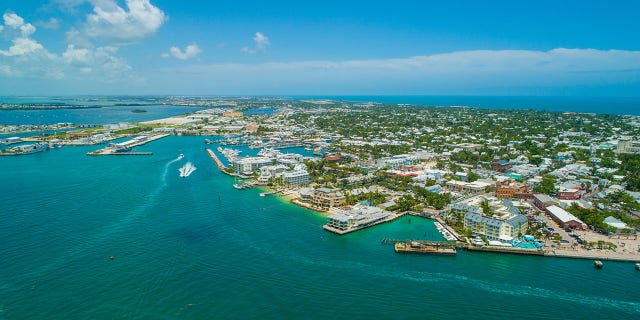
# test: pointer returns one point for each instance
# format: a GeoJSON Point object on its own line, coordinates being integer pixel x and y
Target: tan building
{"type": "Point", "coordinates": [327, 198]}
{"type": "Point", "coordinates": [232, 114]}
{"type": "Point", "coordinates": [510, 190]}
{"type": "Point", "coordinates": [252, 127]}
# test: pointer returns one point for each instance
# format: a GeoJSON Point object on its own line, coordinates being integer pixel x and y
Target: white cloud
{"type": "Point", "coordinates": [52, 24]}
{"type": "Point", "coordinates": [464, 72]}
{"type": "Point", "coordinates": [112, 23]}
{"type": "Point", "coordinates": [22, 46]}
{"type": "Point", "coordinates": [12, 20]}
{"type": "Point", "coordinates": [28, 58]}
{"type": "Point", "coordinates": [16, 22]}
{"type": "Point", "coordinates": [190, 51]}
{"type": "Point", "coordinates": [261, 43]}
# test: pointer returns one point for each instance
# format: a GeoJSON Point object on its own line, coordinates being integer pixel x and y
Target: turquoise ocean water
{"type": "Point", "coordinates": [195, 248]}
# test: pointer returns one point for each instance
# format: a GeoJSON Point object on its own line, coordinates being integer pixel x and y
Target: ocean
{"type": "Point", "coordinates": [196, 248]}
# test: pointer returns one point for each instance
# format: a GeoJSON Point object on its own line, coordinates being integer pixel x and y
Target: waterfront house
{"type": "Point", "coordinates": [250, 164]}
{"type": "Point", "coordinates": [296, 177]}
{"type": "Point", "coordinates": [359, 216]}
{"type": "Point", "coordinates": [327, 198]}
{"type": "Point", "coordinates": [501, 228]}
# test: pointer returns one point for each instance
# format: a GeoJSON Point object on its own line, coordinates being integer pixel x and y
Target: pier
{"type": "Point", "coordinates": [445, 248]}
{"type": "Point", "coordinates": [219, 163]}
{"type": "Point", "coordinates": [124, 147]}
{"type": "Point", "coordinates": [130, 153]}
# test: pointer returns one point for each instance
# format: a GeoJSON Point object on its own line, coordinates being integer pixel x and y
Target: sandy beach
{"type": "Point", "coordinates": [171, 121]}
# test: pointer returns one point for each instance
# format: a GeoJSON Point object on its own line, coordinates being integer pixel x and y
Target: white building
{"type": "Point", "coordinates": [250, 165]}
{"type": "Point", "coordinates": [296, 177]}
{"type": "Point", "coordinates": [359, 216]}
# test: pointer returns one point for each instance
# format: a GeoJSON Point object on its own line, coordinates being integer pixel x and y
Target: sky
{"type": "Point", "coordinates": [456, 47]}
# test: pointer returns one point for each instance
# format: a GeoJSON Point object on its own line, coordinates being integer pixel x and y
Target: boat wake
{"type": "Point", "coordinates": [187, 170]}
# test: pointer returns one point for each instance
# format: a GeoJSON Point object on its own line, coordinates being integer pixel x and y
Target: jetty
{"type": "Point", "coordinates": [219, 163]}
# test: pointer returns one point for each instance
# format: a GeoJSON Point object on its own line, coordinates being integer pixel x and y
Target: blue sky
{"type": "Point", "coordinates": [566, 48]}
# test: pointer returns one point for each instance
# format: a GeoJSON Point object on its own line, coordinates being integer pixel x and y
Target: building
{"type": "Point", "coordinates": [568, 194]}
{"type": "Point", "coordinates": [467, 187]}
{"type": "Point", "coordinates": [542, 201]}
{"type": "Point", "coordinates": [10, 140]}
{"type": "Point", "coordinates": [332, 157]}
{"type": "Point", "coordinates": [252, 127]}
{"type": "Point", "coordinates": [615, 223]}
{"type": "Point", "coordinates": [250, 165]}
{"type": "Point", "coordinates": [296, 177]}
{"type": "Point", "coordinates": [327, 198]}
{"type": "Point", "coordinates": [397, 161]}
{"type": "Point", "coordinates": [500, 165]}
{"type": "Point", "coordinates": [510, 190]}
{"type": "Point", "coordinates": [232, 114]}
{"type": "Point", "coordinates": [505, 228]}
{"type": "Point", "coordinates": [628, 146]}
{"type": "Point", "coordinates": [360, 216]}
{"type": "Point", "coordinates": [564, 218]}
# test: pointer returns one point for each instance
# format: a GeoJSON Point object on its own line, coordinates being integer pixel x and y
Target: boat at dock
{"type": "Point", "coordinates": [425, 248]}
{"type": "Point", "coordinates": [598, 264]}
{"type": "Point", "coordinates": [638, 266]}
{"type": "Point", "coordinates": [187, 170]}
{"type": "Point", "coordinates": [207, 141]}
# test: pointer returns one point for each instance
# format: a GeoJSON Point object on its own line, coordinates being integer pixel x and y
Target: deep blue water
{"type": "Point", "coordinates": [195, 248]}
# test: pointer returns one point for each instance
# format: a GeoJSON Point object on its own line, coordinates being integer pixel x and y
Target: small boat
{"type": "Point", "coordinates": [638, 266]}
{"type": "Point", "coordinates": [187, 170]}
{"type": "Point", "coordinates": [180, 156]}
{"type": "Point", "coordinates": [598, 264]}
{"type": "Point", "coordinates": [207, 141]}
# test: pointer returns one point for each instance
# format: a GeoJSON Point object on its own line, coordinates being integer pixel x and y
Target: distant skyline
{"type": "Point", "coordinates": [558, 48]}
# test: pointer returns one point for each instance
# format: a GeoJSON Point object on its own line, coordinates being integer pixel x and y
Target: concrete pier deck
{"type": "Point", "coordinates": [112, 151]}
